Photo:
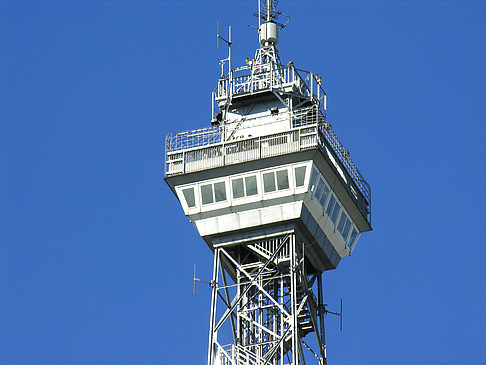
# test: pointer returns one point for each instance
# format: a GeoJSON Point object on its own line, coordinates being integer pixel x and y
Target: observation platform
{"type": "Point", "coordinates": [208, 148]}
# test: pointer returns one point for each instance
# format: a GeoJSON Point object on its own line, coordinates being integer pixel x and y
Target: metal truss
{"type": "Point", "coordinates": [262, 316]}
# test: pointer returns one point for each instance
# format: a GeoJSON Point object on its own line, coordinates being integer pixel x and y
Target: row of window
{"type": "Point", "coordinates": [246, 186]}
{"type": "Point", "coordinates": [330, 205]}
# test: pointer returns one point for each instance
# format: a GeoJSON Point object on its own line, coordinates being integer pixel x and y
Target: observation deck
{"type": "Point", "coordinates": [208, 148]}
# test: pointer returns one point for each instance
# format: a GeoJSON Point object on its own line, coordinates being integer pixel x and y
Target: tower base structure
{"type": "Point", "coordinates": [264, 308]}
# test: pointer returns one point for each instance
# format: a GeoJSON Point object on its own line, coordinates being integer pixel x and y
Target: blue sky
{"type": "Point", "coordinates": [96, 256]}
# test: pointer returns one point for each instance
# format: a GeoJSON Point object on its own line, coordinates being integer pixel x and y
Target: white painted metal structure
{"type": "Point", "coordinates": [278, 200]}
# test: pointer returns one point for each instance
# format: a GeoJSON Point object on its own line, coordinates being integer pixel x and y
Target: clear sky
{"type": "Point", "coordinates": [96, 256]}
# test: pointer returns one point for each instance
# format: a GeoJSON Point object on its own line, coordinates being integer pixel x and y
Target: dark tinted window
{"type": "Point", "coordinates": [353, 236]}
{"type": "Point", "coordinates": [207, 194]}
{"type": "Point", "coordinates": [299, 176]}
{"type": "Point", "coordinates": [189, 196]}
{"type": "Point", "coordinates": [269, 182]}
{"type": "Point", "coordinates": [282, 179]}
{"type": "Point", "coordinates": [320, 187]}
{"type": "Point", "coordinates": [220, 191]}
{"type": "Point", "coordinates": [335, 212]}
{"type": "Point", "coordinates": [342, 221]}
{"type": "Point", "coordinates": [330, 205]}
{"type": "Point", "coordinates": [237, 186]}
{"type": "Point", "coordinates": [251, 185]}
{"type": "Point", "coordinates": [346, 229]}
{"type": "Point", "coordinates": [312, 179]}
{"type": "Point", "coordinates": [323, 198]}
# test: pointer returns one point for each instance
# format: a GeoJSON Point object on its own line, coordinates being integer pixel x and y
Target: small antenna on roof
{"type": "Point", "coordinates": [217, 36]}
{"type": "Point", "coordinates": [228, 42]}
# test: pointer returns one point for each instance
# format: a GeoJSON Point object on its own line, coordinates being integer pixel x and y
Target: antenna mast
{"type": "Point", "coordinates": [229, 43]}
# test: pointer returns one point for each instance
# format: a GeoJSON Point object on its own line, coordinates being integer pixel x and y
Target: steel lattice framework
{"type": "Point", "coordinates": [270, 306]}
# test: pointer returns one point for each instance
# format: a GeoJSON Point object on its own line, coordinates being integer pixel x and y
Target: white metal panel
{"type": "Point", "coordinates": [229, 222]}
{"type": "Point", "coordinates": [272, 214]}
{"type": "Point", "coordinates": [246, 219]}
{"type": "Point", "coordinates": [251, 218]}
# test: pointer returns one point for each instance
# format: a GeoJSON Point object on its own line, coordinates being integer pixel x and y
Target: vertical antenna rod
{"type": "Point", "coordinates": [269, 10]}
{"type": "Point", "coordinates": [228, 42]}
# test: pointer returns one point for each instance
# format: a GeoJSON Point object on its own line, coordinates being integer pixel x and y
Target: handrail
{"type": "Point", "coordinates": [250, 82]}
{"type": "Point", "coordinates": [206, 148]}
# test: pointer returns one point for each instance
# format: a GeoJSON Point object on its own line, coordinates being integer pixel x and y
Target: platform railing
{"type": "Point", "coordinates": [204, 149]}
{"type": "Point", "coordinates": [232, 152]}
{"type": "Point", "coordinates": [305, 116]}
{"type": "Point", "coordinates": [237, 355]}
{"type": "Point", "coordinates": [245, 80]}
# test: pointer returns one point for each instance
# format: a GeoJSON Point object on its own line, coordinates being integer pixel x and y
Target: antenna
{"type": "Point", "coordinates": [268, 13]}
{"type": "Point", "coordinates": [199, 280]}
{"type": "Point", "coordinates": [259, 15]}
{"type": "Point", "coordinates": [228, 42]}
{"type": "Point", "coordinates": [339, 314]}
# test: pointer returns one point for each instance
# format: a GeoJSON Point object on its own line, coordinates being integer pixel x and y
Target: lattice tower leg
{"type": "Point", "coordinates": [263, 315]}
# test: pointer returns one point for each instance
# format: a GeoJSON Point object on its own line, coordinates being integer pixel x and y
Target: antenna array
{"type": "Point", "coordinates": [267, 13]}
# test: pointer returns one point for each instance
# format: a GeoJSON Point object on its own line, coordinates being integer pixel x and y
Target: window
{"type": "Point", "coordinates": [251, 185]}
{"type": "Point", "coordinates": [248, 188]}
{"type": "Point", "coordinates": [238, 190]}
{"type": "Point", "coordinates": [341, 222]}
{"type": "Point", "coordinates": [269, 182]}
{"type": "Point", "coordinates": [320, 187]}
{"type": "Point", "coordinates": [330, 205]}
{"type": "Point", "coordinates": [207, 194]}
{"type": "Point", "coordinates": [312, 179]}
{"type": "Point", "coordinates": [322, 192]}
{"type": "Point", "coordinates": [352, 238]}
{"type": "Point", "coordinates": [299, 176]}
{"type": "Point", "coordinates": [323, 197]}
{"type": "Point", "coordinates": [189, 196]}
{"type": "Point", "coordinates": [335, 212]}
{"type": "Point", "coordinates": [220, 191]}
{"type": "Point", "coordinates": [344, 225]}
{"type": "Point", "coordinates": [345, 232]}
{"type": "Point", "coordinates": [282, 179]}
{"type": "Point", "coordinates": [211, 193]}
{"type": "Point", "coordinates": [273, 181]}
{"type": "Point", "coordinates": [333, 209]}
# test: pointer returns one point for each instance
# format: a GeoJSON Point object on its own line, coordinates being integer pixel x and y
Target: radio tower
{"type": "Point", "coordinates": [277, 199]}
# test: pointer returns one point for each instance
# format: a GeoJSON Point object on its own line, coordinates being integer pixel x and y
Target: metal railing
{"type": "Point", "coordinates": [237, 355]}
{"type": "Point", "coordinates": [206, 148]}
{"type": "Point", "coordinates": [232, 152]}
{"type": "Point", "coordinates": [246, 80]}
{"type": "Point", "coordinates": [312, 114]}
